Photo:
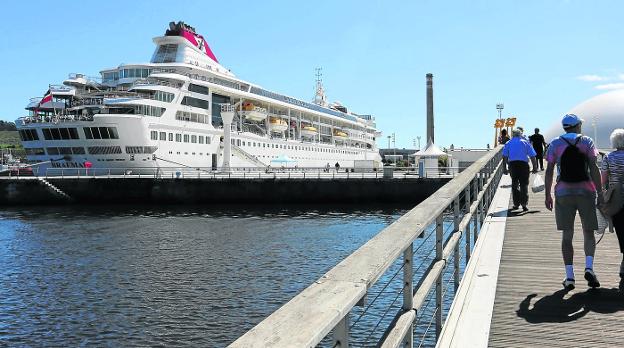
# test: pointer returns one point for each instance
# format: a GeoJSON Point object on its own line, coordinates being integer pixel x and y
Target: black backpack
{"type": "Point", "coordinates": [573, 164]}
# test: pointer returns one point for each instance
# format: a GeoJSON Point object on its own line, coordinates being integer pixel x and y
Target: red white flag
{"type": "Point", "coordinates": [46, 98]}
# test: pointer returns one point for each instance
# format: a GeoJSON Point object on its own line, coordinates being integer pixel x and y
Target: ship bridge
{"type": "Point", "coordinates": [181, 44]}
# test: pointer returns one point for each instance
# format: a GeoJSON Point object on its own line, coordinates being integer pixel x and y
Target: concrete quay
{"type": "Point", "coordinates": [150, 190]}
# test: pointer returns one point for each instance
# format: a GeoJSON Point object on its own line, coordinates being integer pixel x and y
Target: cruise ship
{"type": "Point", "coordinates": [183, 109]}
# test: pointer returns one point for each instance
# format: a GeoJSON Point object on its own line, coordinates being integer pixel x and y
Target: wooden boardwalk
{"type": "Point", "coordinates": [531, 309]}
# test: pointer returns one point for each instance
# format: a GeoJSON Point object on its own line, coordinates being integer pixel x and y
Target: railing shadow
{"type": "Point", "coordinates": [555, 308]}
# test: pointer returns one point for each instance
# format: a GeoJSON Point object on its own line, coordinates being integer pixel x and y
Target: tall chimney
{"type": "Point", "coordinates": [430, 132]}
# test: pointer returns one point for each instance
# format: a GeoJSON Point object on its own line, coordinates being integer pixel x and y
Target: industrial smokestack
{"type": "Point", "coordinates": [430, 132]}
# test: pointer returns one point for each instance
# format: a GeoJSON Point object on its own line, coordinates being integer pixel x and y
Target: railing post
{"type": "Point", "coordinates": [456, 249]}
{"type": "Point", "coordinates": [341, 333]}
{"type": "Point", "coordinates": [467, 202]}
{"type": "Point", "coordinates": [408, 291]}
{"type": "Point", "coordinates": [439, 241]}
{"type": "Point", "coordinates": [483, 198]}
{"type": "Point", "coordinates": [475, 231]}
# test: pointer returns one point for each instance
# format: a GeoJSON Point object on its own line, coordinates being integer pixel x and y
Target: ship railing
{"type": "Point", "coordinates": [393, 291]}
{"type": "Point", "coordinates": [154, 82]}
{"type": "Point", "coordinates": [73, 76]}
{"type": "Point", "coordinates": [54, 119]}
{"type": "Point", "coordinates": [272, 171]}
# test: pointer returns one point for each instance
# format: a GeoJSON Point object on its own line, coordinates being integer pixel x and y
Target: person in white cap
{"type": "Point", "coordinates": [575, 156]}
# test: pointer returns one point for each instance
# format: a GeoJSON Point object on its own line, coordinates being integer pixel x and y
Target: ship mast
{"type": "Point", "coordinates": [320, 98]}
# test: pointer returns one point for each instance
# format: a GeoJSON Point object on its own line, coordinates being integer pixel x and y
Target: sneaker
{"type": "Point", "coordinates": [568, 284]}
{"type": "Point", "coordinates": [592, 280]}
{"type": "Point", "coordinates": [514, 207]}
{"type": "Point", "coordinates": [524, 208]}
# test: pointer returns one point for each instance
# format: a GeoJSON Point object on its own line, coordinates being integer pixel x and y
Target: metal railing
{"type": "Point", "coordinates": [326, 306]}
{"type": "Point", "coordinates": [274, 171]}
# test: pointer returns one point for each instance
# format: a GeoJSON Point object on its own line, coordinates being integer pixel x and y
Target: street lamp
{"type": "Point", "coordinates": [418, 137]}
{"type": "Point", "coordinates": [500, 107]}
{"type": "Point", "coordinates": [389, 137]}
{"type": "Point", "coordinates": [394, 143]}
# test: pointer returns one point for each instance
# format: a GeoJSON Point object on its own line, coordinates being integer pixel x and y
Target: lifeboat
{"type": "Point", "coordinates": [309, 131]}
{"type": "Point", "coordinates": [340, 134]}
{"type": "Point", "coordinates": [252, 112]}
{"type": "Point", "coordinates": [277, 125]}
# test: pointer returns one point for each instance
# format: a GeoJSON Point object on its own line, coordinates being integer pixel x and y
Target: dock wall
{"type": "Point", "coordinates": [210, 191]}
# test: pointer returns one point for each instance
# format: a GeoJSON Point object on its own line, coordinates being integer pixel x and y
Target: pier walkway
{"type": "Point", "coordinates": [502, 270]}
{"type": "Point", "coordinates": [531, 309]}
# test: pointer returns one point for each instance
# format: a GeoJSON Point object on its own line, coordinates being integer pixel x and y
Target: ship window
{"type": "Point", "coordinates": [104, 150]}
{"type": "Point", "coordinates": [201, 139]}
{"type": "Point", "coordinates": [166, 53]}
{"type": "Point", "coordinates": [195, 102]}
{"type": "Point", "coordinates": [28, 134]}
{"type": "Point", "coordinates": [178, 138]}
{"type": "Point", "coordinates": [163, 96]}
{"type": "Point", "coordinates": [193, 138]}
{"type": "Point", "coordinates": [208, 140]}
{"type": "Point", "coordinates": [140, 149]}
{"type": "Point", "coordinates": [198, 89]}
{"type": "Point", "coordinates": [37, 151]}
{"type": "Point", "coordinates": [186, 138]}
{"type": "Point", "coordinates": [154, 135]}
{"type": "Point", "coordinates": [149, 110]}
{"type": "Point", "coordinates": [244, 143]}
{"type": "Point", "coordinates": [170, 136]}
{"type": "Point", "coordinates": [163, 135]}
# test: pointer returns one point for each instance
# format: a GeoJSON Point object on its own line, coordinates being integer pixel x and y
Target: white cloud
{"type": "Point", "coordinates": [621, 76]}
{"type": "Point", "coordinates": [610, 86]}
{"type": "Point", "coordinates": [592, 78]}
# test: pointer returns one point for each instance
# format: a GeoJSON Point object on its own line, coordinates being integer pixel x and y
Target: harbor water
{"type": "Point", "coordinates": [127, 276]}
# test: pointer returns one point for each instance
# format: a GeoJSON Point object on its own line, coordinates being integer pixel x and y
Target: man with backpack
{"type": "Point", "coordinates": [575, 157]}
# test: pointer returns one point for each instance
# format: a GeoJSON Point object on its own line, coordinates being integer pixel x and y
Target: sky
{"type": "Point", "coordinates": [539, 58]}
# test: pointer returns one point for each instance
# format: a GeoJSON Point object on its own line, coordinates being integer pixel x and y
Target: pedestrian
{"type": "Point", "coordinates": [613, 174]}
{"type": "Point", "coordinates": [575, 156]}
{"type": "Point", "coordinates": [522, 131]}
{"type": "Point", "coordinates": [503, 138]}
{"type": "Point", "coordinates": [516, 155]}
{"type": "Point", "coordinates": [337, 165]}
{"type": "Point", "coordinates": [537, 140]}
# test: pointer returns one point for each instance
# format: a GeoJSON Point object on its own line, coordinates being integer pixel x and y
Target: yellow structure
{"type": "Point", "coordinates": [501, 123]}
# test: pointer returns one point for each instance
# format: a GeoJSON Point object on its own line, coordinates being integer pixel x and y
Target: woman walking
{"type": "Point", "coordinates": [613, 174]}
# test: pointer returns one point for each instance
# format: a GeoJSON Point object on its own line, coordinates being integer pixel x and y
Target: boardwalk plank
{"type": "Point", "coordinates": [531, 309]}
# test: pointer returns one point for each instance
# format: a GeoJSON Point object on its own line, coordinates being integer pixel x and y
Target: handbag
{"type": "Point", "coordinates": [612, 199]}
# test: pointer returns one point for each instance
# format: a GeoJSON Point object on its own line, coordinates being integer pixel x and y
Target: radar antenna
{"type": "Point", "coordinates": [320, 98]}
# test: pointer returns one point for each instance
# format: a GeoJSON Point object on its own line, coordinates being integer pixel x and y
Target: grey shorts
{"type": "Point", "coordinates": [566, 208]}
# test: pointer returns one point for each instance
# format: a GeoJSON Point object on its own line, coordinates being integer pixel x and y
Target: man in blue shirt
{"type": "Point", "coordinates": [516, 154]}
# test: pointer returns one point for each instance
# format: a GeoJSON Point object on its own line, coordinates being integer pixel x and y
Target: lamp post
{"type": "Point", "coordinates": [389, 137]}
{"type": "Point", "coordinates": [500, 107]}
{"type": "Point", "coordinates": [418, 137]}
{"type": "Point", "coordinates": [394, 143]}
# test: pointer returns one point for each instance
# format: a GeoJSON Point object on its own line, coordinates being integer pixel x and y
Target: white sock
{"type": "Point", "coordinates": [589, 262]}
{"type": "Point", "coordinates": [569, 271]}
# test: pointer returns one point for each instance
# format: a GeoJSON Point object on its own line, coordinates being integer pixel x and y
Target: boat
{"type": "Point", "coordinates": [183, 108]}
{"type": "Point", "coordinates": [309, 132]}
{"type": "Point", "coordinates": [277, 125]}
{"type": "Point", "coordinates": [252, 112]}
{"type": "Point", "coordinates": [340, 134]}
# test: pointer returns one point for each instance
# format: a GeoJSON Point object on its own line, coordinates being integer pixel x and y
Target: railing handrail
{"type": "Point", "coordinates": [307, 318]}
